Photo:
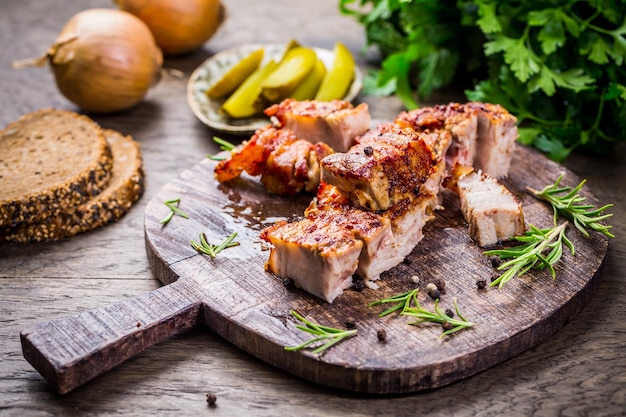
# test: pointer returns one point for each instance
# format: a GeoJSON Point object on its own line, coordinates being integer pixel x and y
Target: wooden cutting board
{"type": "Point", "coordinates": [234, 295]}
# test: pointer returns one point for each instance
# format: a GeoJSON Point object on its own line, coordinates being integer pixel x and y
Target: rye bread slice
{"type": "Point", "coordinates": [124, 189]}
{"type": "Point", "coordinates": [50, 160]}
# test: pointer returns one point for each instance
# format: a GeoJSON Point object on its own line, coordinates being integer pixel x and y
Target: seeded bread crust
{"type": "Point", "coordinates": [125, 188]}
{"type": "Point", "coordinates": [50, 160]}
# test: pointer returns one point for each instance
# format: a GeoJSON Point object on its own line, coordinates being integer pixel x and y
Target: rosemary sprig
{"type": "Point", "coordinates": [173, 206]}
{"type": "Point", "coordinates": [530, 254]}
{"type": "Point", "coordinates": [438, 316]}
{"type": "Point", "coordinates": [224, 145]}
{"type": "Point", "coordinates": [566, 201]}
{"type": "Point", "coordinates": [323, 333]}
{"type": "Point", "coordinates": [402, 301]}
{"type": "Point", "coordinates": [213, 250]}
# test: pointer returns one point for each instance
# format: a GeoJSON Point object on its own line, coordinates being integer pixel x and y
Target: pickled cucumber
{"type": "Point", "coordinates": [236, 75]}
{"type": "Point", "coordinates": [308, 87]}
{"type": "Point", "coordinates": [244, 102]}
{"type": "Point", "coordinates": [337, 80]}
{"type": "Point", "coordinates": [297, 64]}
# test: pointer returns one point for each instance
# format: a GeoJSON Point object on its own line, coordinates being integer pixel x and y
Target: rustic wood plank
{"type": "Point", "coordinates": [73, 350]}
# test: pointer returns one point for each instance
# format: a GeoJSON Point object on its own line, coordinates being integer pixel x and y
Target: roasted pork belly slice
{"type": "Point", "coordinates": [408, 218]}
{"type": "Point", "coordinates": [439, 141]}
{"type": "Point", "coordinates": [497, 133]}
{"type": "Point", "coordinates": [405, 221]}
{"type": "Point", "coordinates": [294, 167]}
{"type": "Point", "coordinates": [386, 165]}
{"type": "Point", "coordinates": [492, 212]}
{"type": "Point", "coordinates": [320, 257]}
{"type": "Point", "coordinates": [460, 120]}
{"type": "Point", "coordinates": [374, 230]}
{"type": "Point", "coordinates": [287, 165]}
{"type": "Point", "coordinates": [252, 155]}
{"type": "Point", "coordinates": [336, 123]}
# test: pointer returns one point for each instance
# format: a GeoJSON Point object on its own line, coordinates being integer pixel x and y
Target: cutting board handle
{"type": "Point", "coordinates": [72, 350]}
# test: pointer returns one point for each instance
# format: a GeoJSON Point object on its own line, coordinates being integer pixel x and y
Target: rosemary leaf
{"type": "Point", "coordinates": [567, 202]}
{"type": "Point", "coordinates": [402, 301]}
{"type": "Point", "coordinates": [173, 206]}
{"type": "Point", "coordinates": [216, 158]}
{"type": "Point", "coordinates": [213, 250]}
{"type": "Point", "coordinates": [438, 316]}
{"type": "Point", "coordinates": [331, 335]}
{"type": "Point", "coordinates": [224, 145]}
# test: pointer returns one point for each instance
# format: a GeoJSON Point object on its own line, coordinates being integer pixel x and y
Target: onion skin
{"type": "Point", "coordinates": [105, 60]}
{"type": "Point", "coordinates": [178, 26]}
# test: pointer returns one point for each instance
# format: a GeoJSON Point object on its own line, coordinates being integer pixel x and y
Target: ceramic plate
{"type": "Point", "coordinates": [208, 110]}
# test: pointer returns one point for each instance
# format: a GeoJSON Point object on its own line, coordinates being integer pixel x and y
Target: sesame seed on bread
{"type": "Point", "coordinates": [124, 189]}
{"type": "Point", "coordinates": [50, 160]}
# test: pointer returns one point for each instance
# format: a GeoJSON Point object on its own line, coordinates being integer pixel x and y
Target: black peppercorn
{"type": "Point", "coordinates": [381, 334]}
{"type": "Point", "coordinates": [368, 151]}
{"type": "Point", "coordinates": [481, 284]}
{"type": "Point", "coordinates": [447, 326]}
{"type": "Point", "coordinates": [359, 285]}
{"type": "Point", "coordinates": [449, 313]}
{"type": "Point", "coordinates": [211, 398]}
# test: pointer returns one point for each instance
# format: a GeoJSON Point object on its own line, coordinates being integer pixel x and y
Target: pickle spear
{"type": "Point", "coordinates": [244, 102]}
{"type": "Point", "coordinates": [338, 79]}
{"type": "Point", "coordinates": [308, 87]}
{"type": "Point", "coordinates": [296, 64]}
{"type": "Point", "coordinates": [235, 75]}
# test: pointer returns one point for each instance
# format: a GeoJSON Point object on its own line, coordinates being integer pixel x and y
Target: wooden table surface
{"type": "Point", "coordinates": [580, 371]}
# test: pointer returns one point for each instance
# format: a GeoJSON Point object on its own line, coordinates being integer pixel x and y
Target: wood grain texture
{"type": "Point", "coordinates": [578, 371]}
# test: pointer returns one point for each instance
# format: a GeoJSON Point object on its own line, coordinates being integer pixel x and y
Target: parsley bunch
{"type": "Point", "coordinates": [558, 65]}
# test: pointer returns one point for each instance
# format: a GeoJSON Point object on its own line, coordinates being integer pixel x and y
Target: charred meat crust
{"type": "Point", "coordinates": [386, 165]}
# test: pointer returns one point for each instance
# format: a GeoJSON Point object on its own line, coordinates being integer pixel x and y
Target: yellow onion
{"type": "Point", "coordinates": [105, 60]}
{"type": "Point", "coordinates": [178, 26]}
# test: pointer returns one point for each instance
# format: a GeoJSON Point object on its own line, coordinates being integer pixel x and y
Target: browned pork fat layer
{"type": "Point", "coordinates": [287, 165]}
{"type": "Point", "coordinates": [336, 123]}
{"type": "Point", "coordinates": [483, 134]}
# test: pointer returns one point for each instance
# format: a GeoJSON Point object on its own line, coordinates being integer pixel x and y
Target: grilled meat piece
{"type": "Point", "coordinates": [497, 133]}
{"type": "Point", "coordinates": [337, 240]}
{"type": "Point", "coordinates": [374, 230]}
{"type": "Point", "coordinates": [252, 155]}
{"type": "Point", "coordinates": [386, 165]}
{"type": "Point", "coordinates": [460, 120]}
{"type": "Point", "coordinates": [320, 257]}
{"type": "Point", "coordinates": [439, 141]}
{"type": "Point", "coordinates": [294, 167]}
{"type": "Point", "coordinates": [335, 123]}
{"type": "Point", "coordinates": [483, 134]}
{"type": "Point", "coordinates": [408, 218]}
{"type": "Point", "coordinates": [492, 212]}
{"type": "Point", "coordinates": [287, 165]}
